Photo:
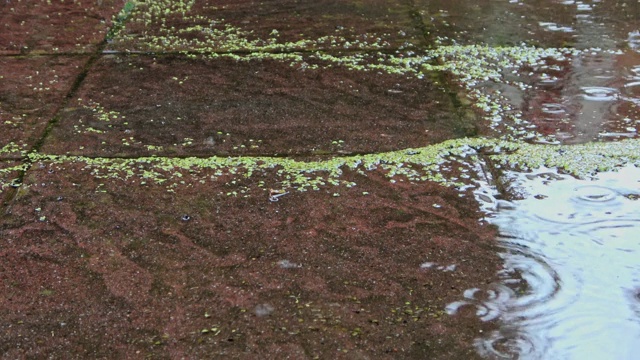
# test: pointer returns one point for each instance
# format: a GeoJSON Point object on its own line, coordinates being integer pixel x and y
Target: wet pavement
{"type": "Point", "coordinates": [244, 179]}
{"type": "Point", "coordinates": [222, 107]}
{"type": "Point", "coordinates": [570, 287]}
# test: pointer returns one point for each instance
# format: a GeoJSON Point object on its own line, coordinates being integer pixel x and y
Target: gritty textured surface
{"type": "Point", "coordinates": [140, 106]}
{"type": "Point", "coordinates": [38, 27]}
{"type": "Point", "coordinates": [105, 270]}
{"type": "Point", "coordinates": [31, 91]}
{"type": "Point", "coordinates": [242, 179]}
{"type": "Point", "coordinates": [118, 245]}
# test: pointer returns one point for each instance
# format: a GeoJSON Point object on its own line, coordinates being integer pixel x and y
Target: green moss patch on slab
{"type": "Point", "coordinates": [449, 163]}
{"type": "Point", "coordinates": [579, 160]}
{"type": "Point", "coordinates": [9, 174]}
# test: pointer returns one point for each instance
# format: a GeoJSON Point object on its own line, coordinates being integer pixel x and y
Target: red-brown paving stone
{"type": "Point", "coordinates": [178, 106]}
{"type": "Point", "coordinates": [111, 268]}
{"type": "Point", "coordinates": [54, 26]}
{"type": "Point", "coordinates": [32, 89]}
{"type": "Point", "coordinates": [298, 25]}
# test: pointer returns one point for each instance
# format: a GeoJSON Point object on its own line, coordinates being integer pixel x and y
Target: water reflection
{"type": "Point", "coordinates": [544, 23]}
{"type": "Point", "coordinates": [590, 95]}
{"type": "Point", "coordinates": [570, 286]}
{"type": "Point", "coordinates": [584, 98]}
{"type": "Point", "coordinates": [571, 280]}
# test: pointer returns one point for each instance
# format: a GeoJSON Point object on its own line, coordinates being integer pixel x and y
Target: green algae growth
{"type": "Point", "coordinates": [429, 163]}
{"type": "Point", "coordinates": [169, 27]}
{"type": "Point", "coordinates": [471, 65]}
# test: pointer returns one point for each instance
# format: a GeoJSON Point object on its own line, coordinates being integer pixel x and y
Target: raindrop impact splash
{"type": "Point", "coordinates": [571, 278]}
{"type": "Point", "coordinates": [599, 93]}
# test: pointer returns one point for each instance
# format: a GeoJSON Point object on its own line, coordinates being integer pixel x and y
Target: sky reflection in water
{"type": "Point", "coordinates": [571, 282]}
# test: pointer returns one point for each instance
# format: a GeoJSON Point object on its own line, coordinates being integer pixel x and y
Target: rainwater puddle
{"type": "Point", "coordinates": [590, 94]}
{"type": "Point", "coordinates": [582, 98]}
{"type": "Point", "coordinates": [570, 287]}
{"type": "Point", "coordinates": [599, 93]}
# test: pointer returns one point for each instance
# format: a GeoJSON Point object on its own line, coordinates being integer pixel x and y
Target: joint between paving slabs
{"type": "Point", "coordinates": [494, 175]}
{"type": "Point", "coordinates": [421, 25]}
{"type": "Point", "coordinates": [26, 160]}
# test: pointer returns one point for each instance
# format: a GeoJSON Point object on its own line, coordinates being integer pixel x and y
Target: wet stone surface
{"type": "Point", "coordinates": [134, 248]}
{"type": "Point", "coordinates": [270, 25]}
{"type": "Point", "coordinates": [547, 293]}
{"type": "Point", "coordinates": [135, 106]}
{"type": "Point", "coordinates": [40, 26]}
{"type": "Point", "coordinates": [112, 268]}
{"type": "Point", "coordinates": [586, 97]}
{"type": "Point", "coordinates": [540, 23]}
{"type": "Point", "coordinates": [31, 92]}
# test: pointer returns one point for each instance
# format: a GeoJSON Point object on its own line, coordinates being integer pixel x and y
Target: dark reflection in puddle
{"type": "Point", "coordinates": [571, 276]}
{"type": "Point", "coordinates": [545, 23]}
{"type": "Point", "coordinates": [591, 94]}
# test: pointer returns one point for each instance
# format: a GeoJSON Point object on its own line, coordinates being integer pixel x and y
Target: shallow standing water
{"type": "Point", "coordinates": [570, 286]}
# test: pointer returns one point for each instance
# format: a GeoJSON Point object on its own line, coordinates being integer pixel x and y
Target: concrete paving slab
{"type": "Point", "coordinates": [250, 26]}
{"type": "Point", "coordinates": [140, 106]}
{"type": "Point", "coordinates": [31, 91]}
{"type": "Point", "coordinates": [39, 26]}
{"type": "Point", "coordinates": [112, 268]}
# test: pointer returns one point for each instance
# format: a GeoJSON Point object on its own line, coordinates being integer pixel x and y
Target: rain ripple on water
{"type": "Point", "coordinates": [599, 93]}
{"type": "Point", "coordinates": [570, 285]}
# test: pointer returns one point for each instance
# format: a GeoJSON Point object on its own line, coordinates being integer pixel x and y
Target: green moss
{"type": "Point", "coordinates": [415, 165]}
{"type": "Point", "coordinates": [13, 149]}
{"type": "Point", "coordinates": [9, 175]}
{"type": "Point", "coordinates": [579, 160]}
{"type": "Point", "coordinates": [473, 66]}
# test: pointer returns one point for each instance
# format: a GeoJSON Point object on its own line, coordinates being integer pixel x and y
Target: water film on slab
{"type": "Point", "coordinates": [570, 286]}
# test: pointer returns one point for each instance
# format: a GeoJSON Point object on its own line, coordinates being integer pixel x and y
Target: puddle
{"type": "Point", "coordinates": [570, 286]}
{"type": "Point", "coordinates": [598, 93]}
{"type": "Point", "coordinates": [583, 97]}
{"type": "Point", "coordinates": [590, 93]}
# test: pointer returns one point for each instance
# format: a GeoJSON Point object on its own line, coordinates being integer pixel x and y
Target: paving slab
{"type": "Point", "coordinates": [249, 26]}
{"type": "Point", "coordinates": [98, 267]}
{"type": "Point", "coordinates": [39, 26]}
{"type": "Point", "coordinates": [141, 106]}
{"type": "Point", "coordinates": [32, 89]}
{"type": "Point", "coordinates": [167, 213]}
